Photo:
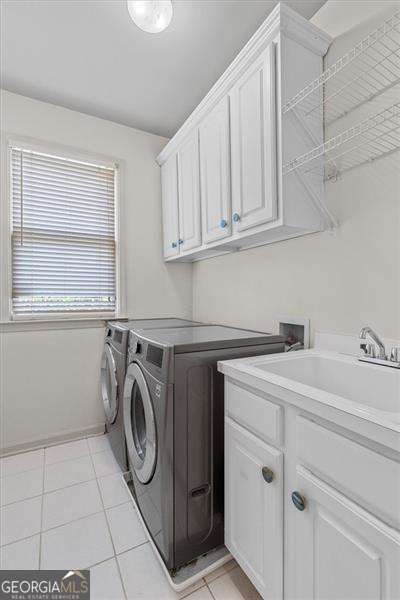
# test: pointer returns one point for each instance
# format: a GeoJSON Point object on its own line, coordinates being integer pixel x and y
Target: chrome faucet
{"type": "Point", "coordinates": [377, 350]}
{"type": "Point", "coordinates": [374, 350]}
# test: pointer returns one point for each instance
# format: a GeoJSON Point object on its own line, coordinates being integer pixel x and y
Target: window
{"type": "Point", "coordinates": [63, 235]}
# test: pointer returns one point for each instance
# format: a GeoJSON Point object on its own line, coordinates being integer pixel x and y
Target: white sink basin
{"type": "Point", "coordinates": [378, 387]}
{"type": "Point", "coordinates": [341, 381]}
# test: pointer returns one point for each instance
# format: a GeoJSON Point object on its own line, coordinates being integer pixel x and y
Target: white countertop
{"type": "Point", "coordinates": [293, 389]}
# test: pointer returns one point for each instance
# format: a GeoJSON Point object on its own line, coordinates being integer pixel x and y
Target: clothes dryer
{"type": "Point", "coordinates": [174, 427]}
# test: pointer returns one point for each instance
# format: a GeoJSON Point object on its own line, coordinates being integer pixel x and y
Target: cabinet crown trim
{"type": "Point", "coordinates": [282, 19]}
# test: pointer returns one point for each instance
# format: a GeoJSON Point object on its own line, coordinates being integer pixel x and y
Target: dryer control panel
{"type": "Point", "coordinates": [154, 355]}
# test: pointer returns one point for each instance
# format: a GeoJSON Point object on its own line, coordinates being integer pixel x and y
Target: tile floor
{"type": "Point", "coordinates": [66, 506]}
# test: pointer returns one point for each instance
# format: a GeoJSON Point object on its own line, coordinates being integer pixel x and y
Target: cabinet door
{"type": "Point", "coordinates": [342, 551]}
{"type": "Point", "coordinates": [253, 508]}
{"type": "Point", "coordinates": [253, 139]}
{"type": "Point", "coordinates": [215, 173]}
{"type": "Point", "coordinates": [169, 187]}
{"type": "Point", "coordinates": [189, 193]}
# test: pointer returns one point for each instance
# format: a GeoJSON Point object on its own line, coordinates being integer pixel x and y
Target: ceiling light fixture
{"type": "Point", "coordinates": [151, 16]}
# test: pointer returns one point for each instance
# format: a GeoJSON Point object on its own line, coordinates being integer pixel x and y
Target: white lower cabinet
{"type": "Point", "coordinates": [342, 551]}
{"type": "Point", "coordinates": [306, 532]}
{"type": "Point", "coordinates": [254, 508]}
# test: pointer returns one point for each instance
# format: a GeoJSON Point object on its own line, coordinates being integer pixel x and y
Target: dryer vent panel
{"type": "Point", "coordinates": [296, 331]}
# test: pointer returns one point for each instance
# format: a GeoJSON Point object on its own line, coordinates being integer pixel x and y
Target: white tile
{"type": "Point", "coordinates": [21, 486]}
{"type": "Point", "coordinates": [21, 555]}
{"type": "Point", "coordinates": [235, 585]}
{"type": "Point", "coordinates": [99, 443]}
{"type": "Point", "coordinates": [221, 571]}
{"type": "Point", "coordinates": [105, 464]}
{"type": "Point", "coordinates": [10, 465]}
{"type": "Point", "coordinates": [77, 545]}
{"type": "Point", "coordinates": [55, 454]}
{"type": "Point", "coordinates": [201, 594]}
{"type": "Point", "coordinates": [113, 490]}
{"type": "Point", "coordinates": [67, 473]}
{"type": "Point", "coordinates": [144, 578]}
{"type": "Point", "coordinates": [105, 582]}
{"type": "Point", "coordinates": [187, 593]}
{"type": "Point", "coordinates": [71, 503]}
{"type": "Point", "coordinates": [126, 528]}
{"type": "Point", "coordinates": [20, 520]}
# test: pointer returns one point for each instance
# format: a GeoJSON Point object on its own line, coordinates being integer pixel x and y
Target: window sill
{"type": "Point", "coordinates": [65, 322]}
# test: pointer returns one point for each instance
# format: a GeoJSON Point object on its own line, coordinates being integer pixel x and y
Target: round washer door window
{"type": "Point", "coordinates": [109, 384]}
{"type": "Point", "coordinates": [139, 424]}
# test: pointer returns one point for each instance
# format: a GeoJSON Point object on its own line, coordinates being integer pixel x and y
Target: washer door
{"type": "Point", "coordinates": [109, 384]}
{"type": "Point", "coordinates": [139, 424]}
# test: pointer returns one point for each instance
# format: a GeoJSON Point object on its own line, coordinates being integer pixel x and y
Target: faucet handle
{"type": "Point", "coordinates": [395, 354]}
{"type": "Point", "coordinates": [367, 348]}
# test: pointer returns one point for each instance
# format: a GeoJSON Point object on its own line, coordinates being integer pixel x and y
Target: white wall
{"type": "Point", "coordinates": [50, 385]}
{"type": "Point", "coordinates": [50, 378]}
{"type": "Point", "coordinates": [342, 281]}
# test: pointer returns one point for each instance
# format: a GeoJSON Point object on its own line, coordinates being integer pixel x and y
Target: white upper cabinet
{"type": "Point", "coordinates": [253, 135]}
{"type": "Point", "coordinates": [189, 194]}
{"type": "Point", "coordinates": [232, 192]}
{"type": "Point", "coordinates": [215, 173]}
{"type": "Point", "coordinates": [169, 185]}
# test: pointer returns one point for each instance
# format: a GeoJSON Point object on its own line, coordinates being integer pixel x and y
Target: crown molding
{"type": "Point", "coordinates": [303, 31]}
{"type": "Point", "coordinates": [282, 20]}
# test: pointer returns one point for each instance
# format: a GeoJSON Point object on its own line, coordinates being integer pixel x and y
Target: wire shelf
{"type": "Point", "coordinates": [371, 139]}
{"type": "Point", "coordinates": [368, 70]}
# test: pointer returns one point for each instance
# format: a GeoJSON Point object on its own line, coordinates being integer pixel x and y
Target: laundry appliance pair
{"type": "Point", "coordinates": [113, 367]}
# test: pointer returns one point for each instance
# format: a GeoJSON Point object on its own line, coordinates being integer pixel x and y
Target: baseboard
{"type": "Point", "coordinates": [68, 436]}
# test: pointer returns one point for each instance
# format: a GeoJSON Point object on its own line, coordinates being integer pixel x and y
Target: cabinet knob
{"type": "Point", "coordinates": [223, 223]}
{"type": "Point", "coordinates": [180, 241]}
{"type": "Point", "coordinates": [174, 244]}
{"type": "Point", "coordinates": [236, 217]}
{"type": "Point", "coordinates": [298, 500]}
{"type": "Point", "coordinates": [268, 474]}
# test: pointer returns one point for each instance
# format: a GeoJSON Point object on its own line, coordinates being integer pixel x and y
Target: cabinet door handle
{"type": "Point", "coordinates": [268, 474]}
{"type": "Point", "coordinates": [236, 217]}
{"type": "Point", "coordinates": [174, 244]}
{"type": "Point", "coordinates": [180, 241]}
{"type": "Point", "coordinates": [223, 223]}
{"type": "Point", "coordinates": [298, 500]}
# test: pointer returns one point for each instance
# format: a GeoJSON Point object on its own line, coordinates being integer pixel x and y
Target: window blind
{"type": "Point", "coordinates": [63, 235]}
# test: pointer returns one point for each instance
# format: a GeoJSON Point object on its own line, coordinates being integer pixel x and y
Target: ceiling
{"type": "Point", "coordinates": [89, 56]}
